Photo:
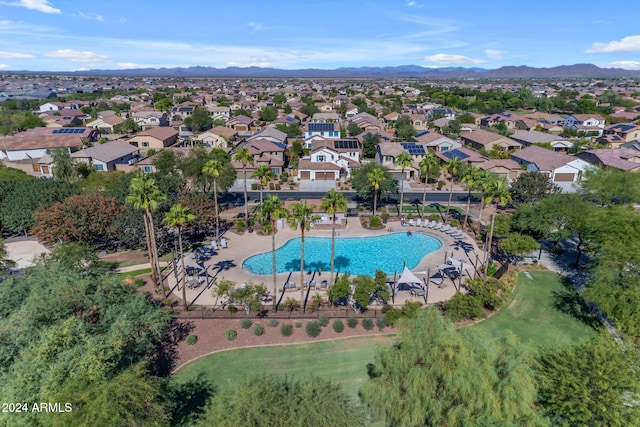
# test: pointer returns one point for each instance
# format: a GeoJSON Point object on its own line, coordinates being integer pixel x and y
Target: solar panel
{"type": "Point", "coordinates": [455, 154]}
{"type": "Point", "coordinates": [320, 127]}
{"type": "Point", "coordinates": [413, 148]}
{"type": "Point", "coordinates": [346, 144]}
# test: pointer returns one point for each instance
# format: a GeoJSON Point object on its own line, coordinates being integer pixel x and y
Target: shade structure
{"type": "Point", "coordinates": [407, 280]}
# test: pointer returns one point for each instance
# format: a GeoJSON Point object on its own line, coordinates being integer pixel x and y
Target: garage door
{"type": "Point", "coordinates": [564, 177]}
{"type": "Point", "coordinates": [323, 176]}
{"type": "Point", "coordinates": [305, 174]}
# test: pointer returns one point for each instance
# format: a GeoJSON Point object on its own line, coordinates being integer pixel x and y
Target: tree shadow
{"type": "Point", "coordinates": [292, 265]}
{"type": "Point", "coordinates": [340, 263]}
{"type": "Point", "coordinates": [568, 301]}
{"type": "Point", "coordinates": [188, 400]}
{"type": "Point", "coordinates": [165, 352]}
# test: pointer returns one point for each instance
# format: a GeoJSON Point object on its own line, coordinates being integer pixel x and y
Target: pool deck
{"type": "Point", "coordinates": [227, 263]}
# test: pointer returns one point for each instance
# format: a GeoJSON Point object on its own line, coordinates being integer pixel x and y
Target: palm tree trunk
{"type": "Point", "coordinates": [302, 268]}
{"type": "Point", "coordinates": [184, 282]}
{"type": "Point", "coordinates": [261, 189]}
{"type": "Point", "coordinates": [401, 194]}
{"type": "Point", "coordinates": [147, 236]}
{"type": "Point", "coordinates": [481, 210]}
{"type": "Point", "coordinates": [154, 251]}
{"type": "Point", "coordinates": [466, 214]}
{"type": "Point", "coordinates": [273, 265]}
{"type": "Point", "coordinates": [450, 195]}
{"type": "Point", "coordinates": [375, 201]}
{"type": "Point", "coordinates": [246, 203]}
{"type": "Point", "coordinates": [424, 196]}
{"type": "Point", "coordinates": [333, 246]}
{"type": "Point", "coordinates": [215, 206]}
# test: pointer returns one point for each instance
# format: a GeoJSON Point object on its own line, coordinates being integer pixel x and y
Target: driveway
{"type": "Point", "coordinates": [24, 252]}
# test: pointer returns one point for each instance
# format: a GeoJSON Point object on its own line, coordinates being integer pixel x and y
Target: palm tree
{"type": "Point", "coordinates": [244, 156]}
{"type": "Point", "coordinates": [270, 210]}
{"type": "Point", "coordinates": [214, 168]}
{"type": "Point", "coordinates": [470, 177]}
{"type": "Point", "coordinates": [264, 175]}
{"type": "Point", "coordinates": [332, 203]}
{"type": "Point", "coordinates": [301, 216]}
{"type": "Point", "coordinates": [484, 183]}
{"type": "Point", "coordinates": [144, 195]}
{"type": "Point", "coordinates": [176, 218]}
{"type": "Point", "coordinates": [376, 178]}
{"type": "Point", "coordinates": [404, 160]}
{"type": "Point", "coordinates": [428, 163]}
{"type": "Point", "coordinates": [452, 167]}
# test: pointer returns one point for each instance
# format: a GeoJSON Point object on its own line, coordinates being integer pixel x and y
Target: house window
{"type": "Point", "coordinates": [99, 167]}
{"type": "Point", "coordinates": [145, 144]}
{"type": "Point", "coordinates": [321, 158]}
{"type": "Point", "coordinates": [275, 170]}
{"type": "Point", "coordinates": [147, 169]}
{"type": "Point", "coordinates": [444, 148]}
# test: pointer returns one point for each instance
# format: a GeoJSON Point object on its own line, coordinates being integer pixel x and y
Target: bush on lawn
{"type": "Point", "coordinates": [273, 323]}
{"type": "Point", "coordinates": [313, 328]}
{"type": "Point", "coordinates": [323, 320]}
{"type": "Point", "coordinates": [258, 330]}
{"type": "Point", "coordinates": [230, 334]}
{"type": "Point", "coordinates": [246, 323]}
{"type": "Point", "coordinates": [367, 323]}
{"type": "Point", "coordinates": [380, 323]}
{"type": "Point", "coordinates": [286, 330]}
{"type": "Point", "coordinates": [338, 326]}
{"type": "Point", "coordinates": [192, 339]}
{"type": "Point", "coordinates": [352, 321]}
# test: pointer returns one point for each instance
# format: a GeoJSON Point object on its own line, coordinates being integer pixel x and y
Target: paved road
{"type": "Point", "coordinates": [441, 197]}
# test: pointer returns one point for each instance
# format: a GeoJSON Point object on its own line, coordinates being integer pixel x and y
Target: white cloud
{"type": "Point", "coordinates": [255, 27]}
{"type": "Point", "coordinates": [39, 5]}
{"type": "Point", "coordinates": [446, 59]}
{"type": "Point", "coordinates": [14, 55]}
{"type": "Point", "coordinates": [132, 65]}
{"type": "Point", "coordinates": [626, 44]}
{"type": "Point", "coordinates": [91, 16]}
{"type": "Point", "coordinates": [627, 65]}
{"type": "Point", "coordinates": [76, 56]}
{"type": "Point", "coordinates": [494, 53]}
{"type": "Point", "coordinates": [4, 66]}
{"type": "Point", "coordinates": [414, 4]}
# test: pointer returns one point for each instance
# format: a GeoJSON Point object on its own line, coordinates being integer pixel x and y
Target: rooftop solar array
{"type": "Point", "coordinates": [67, 131]}
{"type": "Point", "coordinates": [347, 144]}
{"type": "Point", "coordinates": [320, 127]}
{"type": "Point", "coordinates": [413, 148]}
{"type": "Point", "coordinates": [451, 154]}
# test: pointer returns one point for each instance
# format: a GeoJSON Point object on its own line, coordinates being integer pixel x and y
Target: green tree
{"type": "Point", "coordinates": [145, 196]}
{"type": "Point", "coordinates": [531, 187]}
{"type": "Point", "coordinates": [364, 187]}
{"type": "Point", "coordinates": [470, 177]}
{"type": "Point", "coordinates": [354, 129]}
{"type": "Point", "coordinates": [453, 167]}
{"type": "Point", "coordinates": [63, 165]}
{"type": "Point", "coordinates": [404, 128]}
{"type": "Point", "coordinates": [404, 160]}
{"type": "Point", "coordinates": [518, 245]}
{"type": "Point", "coordinates": [437, 375]}
{"type": "Point", "coordinates": [244, 156]}
{"type": "Point", "coordinates": [369, 144]}
{"type": "Point", "coordinates": [271, 210]}
{"type": "Point", "coordinates": [291, 129]}
{"type": "Point", "coordinates": [592, 383]}
{"type": "Point", "coordinates": [609, 186]}
{"type": "Point", "coordinates": [268, 114]}
{"type": "Point", "coordinates": [332, 203]}
{"type": "Point", "coordinates": [128, 126]}
{"type": "Point", "coordinates": [376, 178]}
{"type": "Point", "coordinates": [300, 217]}
{"type": "Point", "coordinates": [192, 168]}
{"type": "Point", "coordinates": [166, 161]}
{"type": "Point", "coordinates": [177, 217]}
{"type": "Point", "coordinates": [199, 120]}
{"type": "Point", "coordinates": [365, 286]}
{"type": "Point", "coordinates": [5, 262]}
{"type": "Point", "coordinates": [280, 401]}
{"type": "Point", "coordinates": [264, 175]}
{"type": "Point", "coordinates": [214, 168]}
{"type": "Point", "coordinates": [429, 164]}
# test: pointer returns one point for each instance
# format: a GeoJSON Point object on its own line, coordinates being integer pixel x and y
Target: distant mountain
{"type": "Point", "coordinates": [510, 72]}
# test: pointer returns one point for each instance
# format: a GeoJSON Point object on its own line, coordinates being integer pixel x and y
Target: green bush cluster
{"type": "Point", "coordinates": [392, 314]}
{"type": "Point", "coordinates": [338, 326]}
{"type": "Point", "coordinates": [313, 328]}
{"type": "Point", "coordinates": [192, 339]}
{"type": "Point", "coordinates": [380, 323]}
{"type": "Point", "coordinates": [273, 323]}
{"type": "Point", "coordinates": [323, 320]}
{"type": "Point", "coordinates": [258, 330]}
{"type": "Point", "coordinates": [230, 334]}
{"type": "Point", "coordinates": [352, 321]}
{"type": "Point", "coordinates": [375, 222]}
{"type": "Point", "coordinates": [367, 323]}
{"type": "Point", "coordinates": [286, 330]}
{"type": "Point", "coordinates": [246, 323]}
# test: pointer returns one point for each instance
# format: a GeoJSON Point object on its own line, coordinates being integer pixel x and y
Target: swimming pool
{"type": "Point", "coordinates": [354, 255]}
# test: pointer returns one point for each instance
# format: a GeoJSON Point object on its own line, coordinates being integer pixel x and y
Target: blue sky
{"type": "Point", "coordinates": [69, 35]}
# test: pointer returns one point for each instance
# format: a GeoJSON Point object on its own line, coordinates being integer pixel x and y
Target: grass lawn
{"type": "Point", "coordinates": [133, 273]}
{"type": "Point", "coordinates": [542, 312]}
{"type": "Point", "coordinates": [343, 361]}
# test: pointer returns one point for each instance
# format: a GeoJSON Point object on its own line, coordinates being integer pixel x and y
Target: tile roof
{"type": "Point", "coordinates": [106, 152]}
{"type": "Point", "coordinates": [545, 160]}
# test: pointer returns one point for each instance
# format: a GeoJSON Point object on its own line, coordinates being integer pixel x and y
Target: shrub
{"type": "Point", "coordinates": [441, 184]}
{"type": "Point", "coordinates": [375, 222]}
{"type": "Point", "coordinates": [230, 334]}
{"type": "Point", "coordinates": [192, 339]}
{"type": "Point", "coordinates": [273, 323]}
{"type": "Point", "coordinates": [462, 307]}
{"type": "Point", "coordinates": [240, 226]}
{"type": "Point", "coordinates": [232, 309]}
{"type": "Point", "coordinates": [246, 323]}
{"type": "Point", "coordinates": [298, 325]}
{"type": "Point", "coordinates": [258, 330]}
{"type": "Point", "coordinates": [338, 326]}
{"type": "Point", "coordinates": [278, 187]}
{"type": "Point", "coordinates": [323, 320]}
{"type": "Point", "coordinates": [352, 321]}
{"type": "Point", "coordinates": [271, 186]}
{"type": "Point", "coordinates": [391, 316]}
{"type": "Point", "coordinates": [286, 330]}
{"type": "Point", "coordinates": [138, 282]}
{"type": "Point", "coordinates": [313, 328]}
{"type": "Point", "coordinates": [367, 323]}
{"type": "Point", "coordinates": [380, 323]}
{"type": "Point", "coordinates": [254, 186]}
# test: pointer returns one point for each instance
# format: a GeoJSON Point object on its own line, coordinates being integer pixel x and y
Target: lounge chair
{"type": "Point", "coordinates": [445, 228]}
{"type": "Point", "coordinates": [453, 230]}
{"type": "Point", "coordinates": [214, 245]}
{"type": "Point", "coordinates": [432, 224]}
{"type": "Point", "coordinates": [324, 284]}
{"type": "Point", "coordinates": [460, 236]}
{"type": "Point", "coordinates": [223, 243]}
{"type": "Point", "coordinates": [418, 222]}
{"type": "Point", "coordinates": [438, 226]}
{"type": "Point", "coordinates": [411, 222]}
{"type": "Point", "coordinates": [426, 223]}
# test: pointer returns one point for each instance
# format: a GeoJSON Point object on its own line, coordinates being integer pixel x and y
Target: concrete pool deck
{"type": "Point", "coordinates": [227, 263]}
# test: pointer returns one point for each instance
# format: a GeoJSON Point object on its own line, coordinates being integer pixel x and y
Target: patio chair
{"type": "Point", "coordinates": [445, 228]}
{"type": "Point", "coordinates": [432, 224]}
{"type": "Point", "coordinates": [223, 243]}
{"type": "Point", "coordinates": [324, 284]}
{"type": "Point", "coordinates": [411, 222]}
{"type": "Point", "coordinates": [418, 222]}
{"type": "Point", "coordinates": [438, 226]}
{"type": "Point", "coordinates": [460, 236]}
{"type": "Point", "coordinates": [214, 246]}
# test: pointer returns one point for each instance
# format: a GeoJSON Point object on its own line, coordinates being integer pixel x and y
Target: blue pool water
{"type": "Point", "coordinates": [360, 255]}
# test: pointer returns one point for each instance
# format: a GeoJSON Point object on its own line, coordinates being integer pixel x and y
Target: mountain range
{"type": "Point", "coordinates": [576, 71]}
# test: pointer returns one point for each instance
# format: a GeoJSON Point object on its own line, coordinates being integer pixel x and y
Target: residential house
{"type": "Point", "coordinates": [107, 156]}
{"type": "Point", "coordinates": [507, 119]}
{"type": "Point", "coordinates": [563, 170]}
{"type": "Point", "coordinates": [63, 118]}
{"type": "Point", "coordinates": [182, 111]}
{"type": "Point", "coordinates": [627, 132]}
{"type": "Point", "coordinates": [506, 168]}
{"type": "Point", "coordinates": [530, 137]}
{"type": "Point", "coordinates": [270, 133]}
{"type": "Point", "coordinates": [37, 142]}
{"type": "Point", "coordinates": [326, 130]}
{"type": "Point", "coordinates": [480, 139]}
{"type": "Point", "coordinates": [219, 113]}
{"type": "Point", "coordinates": [619, 158]}
{"type": "Point", "coordinates": [105, 124]}
{"type": "Point", "coordinates": [435, 141]}
{"type": "Point", "coordinates": [217, 137]}
{"type": "Point", "coordinates": [240, 123]}
{"type": "Point", "coordinates": [330, 159]}
{"type": "Point", "coordinates": [155, 138]}
{"type": "Point", "coordinates": [587, 123]}
{"type": "Point", "coordinates": [148, 119]}
{"type": "Point", "coordinates": [440, 113]}
{"type": "Point", "coordinates": [265, 152]}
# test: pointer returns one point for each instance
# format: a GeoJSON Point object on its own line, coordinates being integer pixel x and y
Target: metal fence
{"type": "Point", "coordinates": [220, 312]}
